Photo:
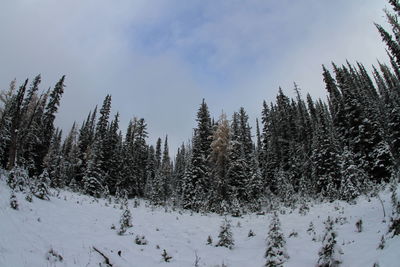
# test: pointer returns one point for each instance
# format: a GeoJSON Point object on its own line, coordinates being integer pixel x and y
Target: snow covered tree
{"type": "Point", "coordinates": [255, 185]}
{"type": "Point", "coordinates": [196, 184]}
{"type": "Point", "coordinates": [13, 122]}
{"type": "Point", "coordinates": [53, 162]}
{"type": "Point", "coordinates": [275, 253]}
{"type": "Point", "coordinates": [180, 165]}
{"type": "Point", "coordinates": [325, 155]}
{"type": "Point", "coordinates": [353, 178]}
{"type": "Point", "coordinates": [225, 235]}
{"type": "Point", "coordinates": [219, 162]}
{"type": "Point", "coordinates": [113, 155]}
{"type": "Point", "coordinates": [85, 141]}
{"type": "Point", "coordinates": [150, 174]}
{"type": "Point", "coordinates": [91, 183]}
{"type": "Point", "coordinates": [41, 190]}
{"type": "Point", "coordinates": [166, 172]}
{"type": "Point", "coordinates": [158, 153]}
{"type": "Point", "coordinates": [166, 257]}
{"type": "Point", "coordinates": [125, 221]}
{"type": "Point", "coordinates": [238, 169]}
{"type": "Point", "coordinates": [47, 125]}
{"type": "Point", "coordinates": [18, 179]}
{"type": "Point", "coordinates": [286, 190]}
{"type": "Point", "coordinates": [13, 201]}
{"type": "Point", "coordinates": [394, 226]}
{"type": "Point", "coordinates": [329, 254]}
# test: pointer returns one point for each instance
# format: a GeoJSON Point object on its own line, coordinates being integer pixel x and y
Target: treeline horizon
{"type": "Point", "coordinates": [303, 148]}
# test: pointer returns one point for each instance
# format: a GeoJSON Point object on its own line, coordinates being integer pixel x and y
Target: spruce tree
{"type": "Point", "coordinates": [329, 254]}
{"type": "Point", "coordinates": [196, 184]}
{"type": "Point", "coordinates": [275, 253]}
{"type": "Point", "coordinates": [238, 168]}
{"type": "Point", "coordinates": [225, 235]}
{"type": "Point", "coordinates": [166, 172]}
{"type": "Point", "coordinates": [47, 125]}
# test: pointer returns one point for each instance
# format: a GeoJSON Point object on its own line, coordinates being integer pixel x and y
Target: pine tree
{"type": "Point", "coordinates": [238, 168]}
{"type": "Point", "coordinates": [179, 170]}
{"type": "Point", "coordinates": [150, 175]}
{"type": "Point", "coordinates": [96, 168]}
{"type": "Point", "coordinates": [158, 153]}
{"type": "Point", "coordinates": [85, 141]}
{"type": "Point", "coordinates": [53, 162]}
{"type": "Point", "coordinates": [17, 179]}
{"type": "Point", "coordinates": [166, 172]}
{"type": "Point", "coordinates": [353, 180]}
{"type": "Point", "coordinates": [329, 254]}
{"type": "Point", "coordinates": [134, 154]}
{"type": "Point", "coordinates": [196, 183]}
{"type": "Point", "coordinates": [325, 155]}
{"type": "Point", "coordinates": [47, 125]}
{"type": "Point", "coordinates": [255, 185]}
{"type": "Point", "coordinates": [125, 221]}
{"type": "Point", "coordinates": [219, 160]}
{"type": "Point", "coordinates": [41, 190]}
{"type": "Point", "coordinates": [225, 235]}
{"type": "Point", "coordinates": [113, 155]}
{"type": "Point", "coordinates": [91, 184]}
{"type": "Point", "coordinates": [13, 201]}
{"type": "Point", "coordinates": [275, 253]}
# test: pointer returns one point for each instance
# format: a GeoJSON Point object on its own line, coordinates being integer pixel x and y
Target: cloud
{"type": "Point", "coordinates": [158, 59]}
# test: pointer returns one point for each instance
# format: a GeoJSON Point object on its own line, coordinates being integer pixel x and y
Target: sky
{"type": "Point", "coordinates": [159, 59]}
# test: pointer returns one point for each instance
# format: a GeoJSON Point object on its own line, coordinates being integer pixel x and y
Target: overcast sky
{"type": "Point", "coordinates": [159, 58]}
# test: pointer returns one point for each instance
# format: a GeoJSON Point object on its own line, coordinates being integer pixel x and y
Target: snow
{"type": "Point", "coordinates": [71, 224]}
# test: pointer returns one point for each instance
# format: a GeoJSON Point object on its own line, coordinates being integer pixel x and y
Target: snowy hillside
{"type": "Point", "coordinates": [66, 230]}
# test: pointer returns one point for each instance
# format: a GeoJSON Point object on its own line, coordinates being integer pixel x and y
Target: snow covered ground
{"type": "Point", "coordinates": [71, 225]}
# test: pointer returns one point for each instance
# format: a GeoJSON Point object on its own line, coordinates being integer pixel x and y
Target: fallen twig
{"type": "Point", "coordinates": [106, 259]}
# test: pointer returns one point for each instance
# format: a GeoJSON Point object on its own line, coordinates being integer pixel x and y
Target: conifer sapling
{"type": "Point", "coordinates": [225, 235]}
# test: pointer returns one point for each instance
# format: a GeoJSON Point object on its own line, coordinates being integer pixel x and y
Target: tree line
{"type": "Point", "coordinates": [302, 147]}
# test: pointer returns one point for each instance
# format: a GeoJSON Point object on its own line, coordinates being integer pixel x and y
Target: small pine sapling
{"type": "Point", "coordinates": [382, 243]}
{"type": "Point", "coordinates": [11, 180]}
{"type": "Point", "coordinates": [117, 196]}
{"type": "Point", "coordinates": [18, 179]}
{"type": "Point", "coordinates": [225, 235]}
{"type": "Point", "coordinates": [311, 231]}
{"type": "Point", "coordinates": [53, 257]}
{"type": "Point", "coordinates": [28, 196]}
{"type": "Point", "coordinates": [124, 200]}
{"type": "Point", "coordinates": [165, 256]}
{"type": "Point", "coordinates": [293, 234]}
{"type": "Point", "coordinates": [359, 225]}
{"type": "Point", "coordinates": [235, 208]}
{"type": "Point", "coordinates": [329, 254]}
{"type": "Point", "coordinates": [275, 253]}
{"type": "Point", "coordinates": [394, 226]}
{"type": "Point", "coordinates": [73, 185]}
{"type": "Point", "coordinates": [209, 240]}
{"type": "Point", "coordinates": [13, 201]}
{"type": "Point", "coordinates": [125, 221]}
{"type": "Point", "coordinates": [106, 194]}
{"type": "Point", "coordinates": [304, 209]}
{"type": "Point", "coordinates": [140, 240]}
{"type": "Point", "coordinates": [251, 233]}
{"type": "Point", "coordinates": [136, 202]}
{"type": "Point", "coordinates": [41, 190]}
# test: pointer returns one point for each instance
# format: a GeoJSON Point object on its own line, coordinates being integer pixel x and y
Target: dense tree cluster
{"type": "Point", "coordinates": [334, 149]}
